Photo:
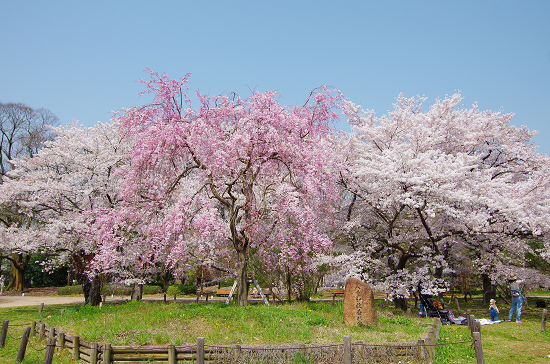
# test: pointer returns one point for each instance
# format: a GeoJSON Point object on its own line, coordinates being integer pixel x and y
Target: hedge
{"type": "Point", "coordinates": [181, 289]}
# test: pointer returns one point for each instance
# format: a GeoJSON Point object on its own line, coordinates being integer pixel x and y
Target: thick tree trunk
{"type": "Point", "coordinates": [242, 278]}
{"type": "Point", "coordinates": [19, 264]}
{"type": "Point", "coordinates": [90, 286]}
{"type": "Point", "coordinates": [288, 287]}
{"type": "Point", "coordinates": [489, 289]}
{"type": "Point", "coordinates": [137, 294]}
{"type": "Point", "coordinates": [92, 290]}
{"type": "Point", "coordinates": [400, 303]}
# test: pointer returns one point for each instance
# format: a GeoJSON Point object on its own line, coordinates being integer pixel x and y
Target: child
{"type": "Point", "coordinates": [493, 309]}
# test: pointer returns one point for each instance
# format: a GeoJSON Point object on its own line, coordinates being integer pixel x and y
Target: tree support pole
{"type": "Point", "coordinates": [4, 333]}
{"type": "Point", "coordinates": [23, 345]}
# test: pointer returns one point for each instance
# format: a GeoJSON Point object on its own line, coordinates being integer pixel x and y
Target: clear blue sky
{"type": "Point", "coordinates": [80, 59]}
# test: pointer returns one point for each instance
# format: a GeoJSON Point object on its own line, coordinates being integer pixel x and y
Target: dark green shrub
{"type": "Point", "coordinates": [69, 290]}
{"type": "Point", "coordinates": [181, 289]}
{"type": "Point", "coordinates": [117, 289]}
{"type": "Point", "coordinates": [151, 289]}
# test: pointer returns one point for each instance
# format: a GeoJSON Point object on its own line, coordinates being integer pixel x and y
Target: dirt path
{"type": "Point", "coordinates": [36, 296]}
{"type": "Point", "coordinates": [16, 301]}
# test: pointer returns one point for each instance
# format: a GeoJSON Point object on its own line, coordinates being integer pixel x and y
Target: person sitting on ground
{"type": "Point", "coordinates": [517, 297]}
{"type": "Point", "coordinates": [493, 309]}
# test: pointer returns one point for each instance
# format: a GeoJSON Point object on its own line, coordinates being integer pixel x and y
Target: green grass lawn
{"type": "Point", "coordinates": [147, 323]}
{"type": "Point", "coordinates": [503, 342]}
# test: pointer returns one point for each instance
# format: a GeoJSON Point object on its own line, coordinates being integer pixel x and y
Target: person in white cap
{"type": "Point", "coordinates": [517, 297]}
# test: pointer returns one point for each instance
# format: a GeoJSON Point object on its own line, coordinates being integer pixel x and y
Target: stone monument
{"type": "Point", "coordinates": [359, 303]}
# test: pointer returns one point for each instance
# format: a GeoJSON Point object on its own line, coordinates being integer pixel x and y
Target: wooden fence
{"type": "Point", "coordinates": [421, 351]}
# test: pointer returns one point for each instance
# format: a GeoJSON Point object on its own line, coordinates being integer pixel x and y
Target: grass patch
{"type": "Point", "coordinates": [156, 323]}
{"type": "Point", "coordinates": [503, 342]}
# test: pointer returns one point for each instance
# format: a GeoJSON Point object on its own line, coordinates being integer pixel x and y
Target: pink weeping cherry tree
{"type": "Point", "coordinates": [235, 176]}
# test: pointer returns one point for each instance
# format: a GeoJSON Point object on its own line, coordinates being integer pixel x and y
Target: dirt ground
{"type": "Point", "coordinates": [35, 297]}
{"type": "Point", "coordinates": [43, 291]}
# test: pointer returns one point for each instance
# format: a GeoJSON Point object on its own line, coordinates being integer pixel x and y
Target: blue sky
{"type": "Point", "coordinates": [81, 59]}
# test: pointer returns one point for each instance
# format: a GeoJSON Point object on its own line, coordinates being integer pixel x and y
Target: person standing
{"type": "Point", "coordinates": [517, 297]}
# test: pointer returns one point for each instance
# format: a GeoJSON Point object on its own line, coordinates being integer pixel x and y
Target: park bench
{"type": "Point", "coordinates": [265, 291]}
{"type": "Point", "coordinates": [223, 292]}
{"type": "Point", "coordinates": [337, 292]}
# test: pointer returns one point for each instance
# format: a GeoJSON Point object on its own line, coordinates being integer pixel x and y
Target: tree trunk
{"type": "Point", "coordinates": [92, 290]}
{"type": "Point", "coordinates": [288, 287]}
{"type": "Point", "coordinates": [242, 278]}
{"type": "Point", "coordinates": [19, 264]}
{"type": "Point", "coordinates": [137, 293]}
{"type": "Point", "coordinates": [489, 289]}
{"type": "Point", "coordinates": [90, 286]}
{"type": "Point", "coordinates": [400, 303]}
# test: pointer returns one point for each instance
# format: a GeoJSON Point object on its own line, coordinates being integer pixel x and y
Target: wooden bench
{"type": "Point", "coordinates": [265, 291]}
{"type": "Point", "coordinates": [223, 292]}
{"type": "Point", "coordinates": [336, 292]}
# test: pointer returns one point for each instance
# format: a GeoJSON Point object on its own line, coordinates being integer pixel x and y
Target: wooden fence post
{"type": "Point", "coordinates": [236, 353]}
{"type": "Point", "coordinates": [107, 354]}
{"type": "Point", "coordinates": [33, 328]}
{"type": "Point", "coordinates": [347, 350]}
{"type": "Point", "coordinates": [76, 347]}
{"type": "Point", "coordinates": [5, 333]}
{"type": "Point", "coordinates": [49, 350]}
{"type": "Point", "coordinates": [478, 348]}
{"type": "Point", "coordinates": [476, 327]}
{"type": "Point", "coordinates": [41, 329]}
{"type": "Point", "coordinates": [51, 332]}
{"type": "Point", "coordinates": [93, 353]}
{"type": "Point", "coordinates": [542, 325]}
{"type": "Point", "coordinates": [421, 348]}
{"type": "Point", "coordinates": [61, 340]}
{"type": "Point", "coordinates": [431, 341]}
{"type": "Point", "coordinates": [23, 345]}
{"type": "Point", "coordinates": [172, 359]}
{"type": "Point", "coordinates": [200, 350]}
{"type": "Point", "coordinates": [41, 308]}
{"type": "Point", "coordinates": [471, 320]}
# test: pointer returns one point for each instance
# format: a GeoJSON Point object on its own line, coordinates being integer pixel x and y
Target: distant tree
{"type": "Point", "coordinates": [234, 177]}
{"type": "Point", "coordinates": [23, 131]}
{"type": "Point", "coordinates": [58, 191]}
{"type": "Point", "coordinates": [426, 186]}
